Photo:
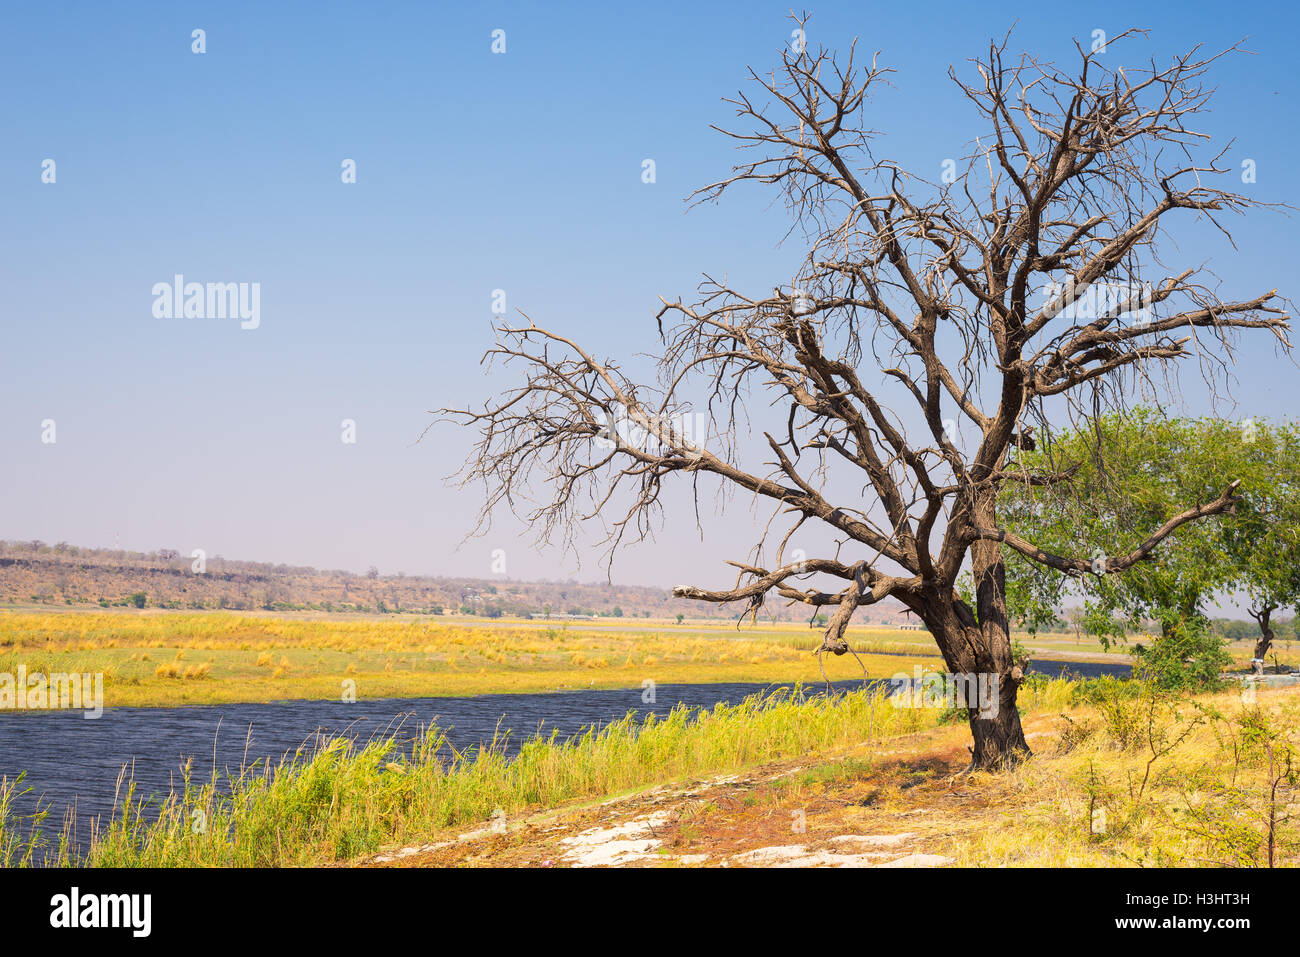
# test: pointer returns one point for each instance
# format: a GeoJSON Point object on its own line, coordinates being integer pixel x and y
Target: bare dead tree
{"type": "Point", "coordinates": [911, 320]}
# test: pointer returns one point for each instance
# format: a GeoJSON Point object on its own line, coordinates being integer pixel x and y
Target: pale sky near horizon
{"type": "Point", "coordinates": [475, 171]}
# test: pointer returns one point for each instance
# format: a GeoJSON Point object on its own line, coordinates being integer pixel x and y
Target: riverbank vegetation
{"type": "Point", "coordinates": [338, 800]}
{"type": "Point", "coordinates": [1124, 775]}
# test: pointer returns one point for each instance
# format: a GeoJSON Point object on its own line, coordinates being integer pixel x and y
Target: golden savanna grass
{"type": "Point", "coordinates": [209, 658]}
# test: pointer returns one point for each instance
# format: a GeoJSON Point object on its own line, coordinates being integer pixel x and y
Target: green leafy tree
{"type": "Point", "coordinates": [1125, 477]}
{"type": "Point", "coordinates": [1263, 537]}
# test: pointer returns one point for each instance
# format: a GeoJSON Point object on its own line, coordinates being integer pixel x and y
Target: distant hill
{"type": "Point", "coordinates": [64, 574]}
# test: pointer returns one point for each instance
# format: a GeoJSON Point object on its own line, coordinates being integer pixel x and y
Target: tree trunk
{"type": "Point", "coordinates": [977, 642]}
{"type": "Point", "coordinates": [999, 739]}
{"type": "Point", "coordinates": [982, 656]}
{"type": "Point", "coordinates": [1264, 617]}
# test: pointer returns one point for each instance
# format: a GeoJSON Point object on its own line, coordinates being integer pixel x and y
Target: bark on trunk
{"type": "Point", "coordinates": [999, 738]}
{"type": "Point", "coordinates": [976, 645]}
{"type": "Point", "coordinates": [1265, 632]}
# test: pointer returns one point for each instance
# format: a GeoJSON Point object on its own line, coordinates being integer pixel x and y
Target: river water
{"type": "Point", "coordinates": [74, 762]}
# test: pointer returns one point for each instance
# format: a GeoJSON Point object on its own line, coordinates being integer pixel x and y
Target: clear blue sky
{"type": "Point", "coordinates": [475, 172]}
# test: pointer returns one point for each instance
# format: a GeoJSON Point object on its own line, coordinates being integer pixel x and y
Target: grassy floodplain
{"type": "Point", "coordinates": [158, 658]}
{"type": "Point", "coordinates": [162, 658]}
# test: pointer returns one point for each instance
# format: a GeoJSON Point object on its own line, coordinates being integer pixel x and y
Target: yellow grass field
{"type": "Point", "coordinates": [163, 658]}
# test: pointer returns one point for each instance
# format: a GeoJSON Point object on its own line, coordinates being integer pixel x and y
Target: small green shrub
{"type": "Point", "coordinates": [1188, 656]}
